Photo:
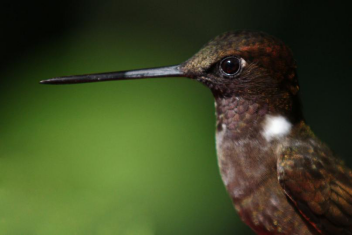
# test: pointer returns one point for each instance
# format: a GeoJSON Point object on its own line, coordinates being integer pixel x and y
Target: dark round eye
{"type": "Point", "coordinates": [230, 66]}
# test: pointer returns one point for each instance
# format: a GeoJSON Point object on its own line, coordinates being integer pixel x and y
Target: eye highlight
{"type": "Point", "coordinates": [230, 66]}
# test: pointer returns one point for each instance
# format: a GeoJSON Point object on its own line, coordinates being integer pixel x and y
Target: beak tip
{"type": "Point", "coordinates": [48, 81]}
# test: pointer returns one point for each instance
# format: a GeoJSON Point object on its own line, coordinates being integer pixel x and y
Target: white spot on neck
{"type": "Point", "coordinates": [275, 127]}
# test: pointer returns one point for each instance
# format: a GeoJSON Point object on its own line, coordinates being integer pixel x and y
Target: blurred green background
{"type": "Point", "coordinates": [138, 157]}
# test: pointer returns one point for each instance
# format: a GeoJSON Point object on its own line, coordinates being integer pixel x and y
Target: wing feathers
{"type": "Point", "coordinates": [318, 184]}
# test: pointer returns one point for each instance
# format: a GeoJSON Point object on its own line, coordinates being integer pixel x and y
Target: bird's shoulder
{"type": "Point", "coordinates": [317, 182]}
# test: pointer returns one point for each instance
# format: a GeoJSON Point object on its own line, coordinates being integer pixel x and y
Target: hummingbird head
{"type": "Point", "coordinates": [245, 64]}
{"type": "Point", "coordinates": [248, 64]}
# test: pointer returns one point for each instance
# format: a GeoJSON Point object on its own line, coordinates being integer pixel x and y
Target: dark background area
{"type": "Point", "coordinates": [138, 157]}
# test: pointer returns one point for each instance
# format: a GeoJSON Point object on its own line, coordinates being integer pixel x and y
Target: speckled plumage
{"type": "Point", "coordinates": [280, 177]}
{"type": "Point", "coordinates": [289, 185]}
{"type": "Point", "coordinates": [316, 181]}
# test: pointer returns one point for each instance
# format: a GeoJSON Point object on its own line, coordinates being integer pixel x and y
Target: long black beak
{"type": "Point", "coordinates": [167, 71]}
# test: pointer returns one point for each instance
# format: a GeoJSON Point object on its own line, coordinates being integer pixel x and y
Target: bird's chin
{"type": "Point", "coordinates": [216, 88]}
{"type": "Point", "coordinates": [207, 81]}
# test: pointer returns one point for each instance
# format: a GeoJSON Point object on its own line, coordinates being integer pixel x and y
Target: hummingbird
{"type": "Point", "coordinates": [280, 177]}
